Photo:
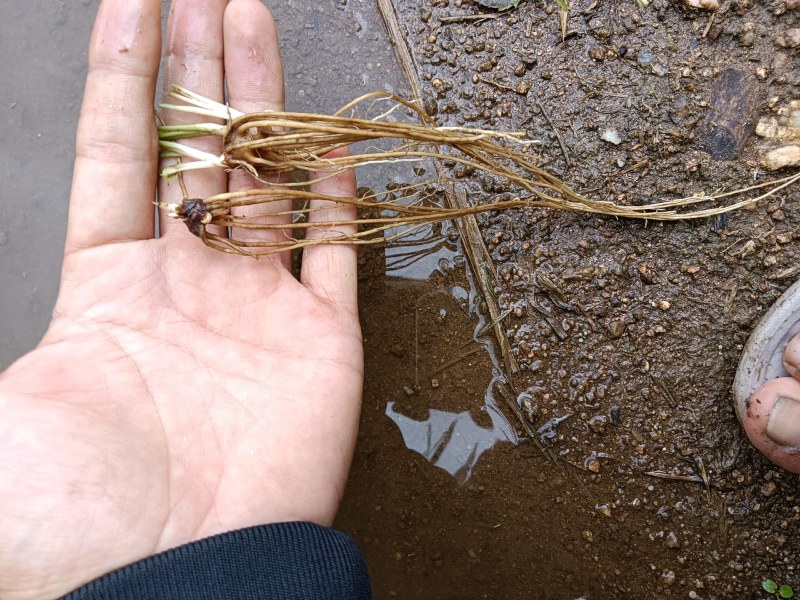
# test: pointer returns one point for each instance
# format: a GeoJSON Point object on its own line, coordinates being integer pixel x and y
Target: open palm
{"type": "Point", "coordinates": [178, 392]}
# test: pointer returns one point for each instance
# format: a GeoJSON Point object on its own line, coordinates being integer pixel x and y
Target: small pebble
{"type": "Point", "coordinates": [598, 423]}
{"type": "Point", "coordinates": [597, 53]}
{"type": "Point", "coordinates": [647, 273]}
{"type": "Point", "coordinates": [780, 158]}
{"type": "Point", "coordinates": [611, 136]}
{"type": "Point", "coordinates": [789, 38]}
{"type": "Point", "coordinates": [616, 328]}
{"type": "Point", "coordinates": [769, 489]}
{"type": "Point", "coordinates": [747, 34]}
{"type": "Point", "coordinates": [660, 69]}
{"type": "Point", "coordinates": [704, 4]}
{"type": "Point", "coordinates": [530, 409]}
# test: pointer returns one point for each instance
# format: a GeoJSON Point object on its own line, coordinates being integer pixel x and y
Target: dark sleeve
{"type": "Point", "coordinates": [282, 560]}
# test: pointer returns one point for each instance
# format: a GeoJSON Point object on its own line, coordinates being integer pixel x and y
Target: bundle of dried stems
{"type": "Point", "coordinates": [270, 144]}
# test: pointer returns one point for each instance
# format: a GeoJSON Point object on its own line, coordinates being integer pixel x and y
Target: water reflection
{"type": "Point", "coordinates": [419, 254]}
{"type": "Point", "coordinates": [453, 441]}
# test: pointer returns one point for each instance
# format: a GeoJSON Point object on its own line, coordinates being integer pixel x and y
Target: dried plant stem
{"type": "Point", "coordinates": [270, 144]}
{"type": "Point", "coordinates": [394, 219]}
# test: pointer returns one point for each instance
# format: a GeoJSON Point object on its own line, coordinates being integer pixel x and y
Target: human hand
{"type": "Point", "coordinates": [179, 392]}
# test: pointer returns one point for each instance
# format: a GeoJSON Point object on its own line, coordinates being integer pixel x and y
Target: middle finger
{"type": "Point", "coordinates": [255, 83]}
{"type": "Point", "coordinates": [194, 60]}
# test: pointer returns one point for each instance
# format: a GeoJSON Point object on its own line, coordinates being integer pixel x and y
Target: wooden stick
{"type": "Point", "coordinates": [474, 248]}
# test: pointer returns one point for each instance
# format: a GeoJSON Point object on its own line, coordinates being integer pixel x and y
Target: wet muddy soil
{"type": "Point", "coordinates": [638, 482]}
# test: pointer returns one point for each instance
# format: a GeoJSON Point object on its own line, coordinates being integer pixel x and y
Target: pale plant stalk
{"type": "Point", "coordinates": [271, 144]}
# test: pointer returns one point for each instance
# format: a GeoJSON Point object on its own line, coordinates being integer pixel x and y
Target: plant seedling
{"type": "Point", "coordinates": [782, 591]}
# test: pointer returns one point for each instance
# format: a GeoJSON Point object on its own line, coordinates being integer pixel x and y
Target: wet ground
{"type": "Point", "coordinates": [626, 334]}
{"type": "Point", "coordinates": [637, 481]}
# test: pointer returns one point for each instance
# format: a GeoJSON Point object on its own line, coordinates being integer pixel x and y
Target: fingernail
{"type": "Point", "coordinates": [783, 426]}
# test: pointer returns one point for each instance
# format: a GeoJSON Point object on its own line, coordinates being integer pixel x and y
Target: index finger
{"type": "Point", "coordinates": [114, 178]}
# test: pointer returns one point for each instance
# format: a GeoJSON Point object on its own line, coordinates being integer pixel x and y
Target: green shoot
{"type": "Point", "coordinates": [182, 132]}
{"type": "Point", "coordinates": [203, 160]}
